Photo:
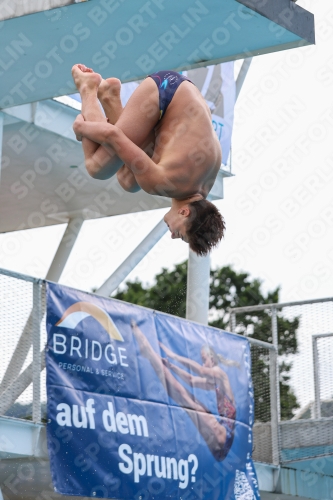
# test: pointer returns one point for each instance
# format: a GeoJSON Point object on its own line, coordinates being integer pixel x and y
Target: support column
{"type": "Point", "coordinates": [133, 259]}
{"type": "Point", "coordinates": [317, 408]}
{"type": "Point", "coordinates": [64, 249]}
{"type": "Point", "coordinates": [242, 75]}
{"type": "Point", "coordinates": [197, 297]}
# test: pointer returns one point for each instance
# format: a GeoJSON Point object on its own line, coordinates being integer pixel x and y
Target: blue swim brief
{"type": "Point", "coordinates": [167, 83]}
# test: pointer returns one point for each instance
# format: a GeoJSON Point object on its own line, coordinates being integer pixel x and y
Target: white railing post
{"type": "Point", "coordinates": [273, 362]}
{"type": "Point", "coordinates": [232, 322]}
{"type": "Point", "coordinates": [317, 408]}
{"type": "Point", "coordinates": [36, 354]}
{"type": "Point", "coordinates": [275, 389]}
{"type": "Point", "coordinates": [275, 339]}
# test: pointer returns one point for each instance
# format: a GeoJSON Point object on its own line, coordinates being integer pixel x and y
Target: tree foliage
{"type": "Point", "coordinates": [229, 289]}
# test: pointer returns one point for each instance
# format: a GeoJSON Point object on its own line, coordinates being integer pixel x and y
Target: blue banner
{"type": "Point", "coordinates": [143, 405]}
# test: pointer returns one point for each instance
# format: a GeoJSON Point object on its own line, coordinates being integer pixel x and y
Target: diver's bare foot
{"type": "Point", "coordinates": [109, 89]}
{"type": "Point", "coordinates": [85, 78]}
{"type": "Point", "coordinates": [109, 95]}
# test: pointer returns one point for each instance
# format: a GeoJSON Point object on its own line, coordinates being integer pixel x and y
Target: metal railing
{"type": "Point", "coordinates": [22, 370]}
{"type": "Point", "coordinates": [308, 431]}
{"type": "Point", "coordinates": [22, 358]}
{"type": "Point", "coordinates": [22, 373]}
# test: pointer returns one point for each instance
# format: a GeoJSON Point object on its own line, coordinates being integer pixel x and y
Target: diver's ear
{"type": "Point", "coordinates": [185, 211]}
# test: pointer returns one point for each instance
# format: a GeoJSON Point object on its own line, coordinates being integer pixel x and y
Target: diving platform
{"type": "Point", "coordinates": [129, 40]}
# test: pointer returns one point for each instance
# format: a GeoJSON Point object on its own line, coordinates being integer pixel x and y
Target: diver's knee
{"type": "Point", "coordinates": [127, 181]}
{"type": "Point", "coordinates": [92, 169]}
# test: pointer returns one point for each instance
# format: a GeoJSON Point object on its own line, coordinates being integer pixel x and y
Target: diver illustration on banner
{"type": "Point", "coordinates": [143, 405]}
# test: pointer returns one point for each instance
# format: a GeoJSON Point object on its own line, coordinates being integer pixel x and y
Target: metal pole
{"type": "Point", "coordinates": [275, 339]}
{"type": "Point", "coordinates": [197, 296]}
{"type": "Point", "coordinates": [133, 259]}
{"type": "Point", "coordinates": [275, 389]}
{"type": "Point", "coordinates": [19, 276]}
{"type": "Point", "coordinates": [317, 407]}
{"type": "Point", "coordinates": [242, 75]}
{"type": "Point", "coordinates": [273, 361]}
{"type": "Point", "coordinates": [280, 305]}
{"type": "Point", "coordinates": [64, 249]}
{"type": "Point", "coordinates": [233, 322]}
{"type": "Point", "coordinates": [36, 355]}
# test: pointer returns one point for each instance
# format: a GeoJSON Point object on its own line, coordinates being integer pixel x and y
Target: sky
{"type": "Point", "coordinates": [278, 206]}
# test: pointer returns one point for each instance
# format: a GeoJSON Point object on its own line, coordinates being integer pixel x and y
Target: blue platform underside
{"type": "Point", "coordinates": [38, 50]}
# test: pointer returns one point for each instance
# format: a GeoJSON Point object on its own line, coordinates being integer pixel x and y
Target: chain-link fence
{"type": "Point", "coordinates": [22, 368]}
{"type": "Point", "coordinates": [301, 333]}
{"type": "Point", "coordinates": [23, 336]}
{"type": "Point", "coordinates": [323, 376]}
{"type": "Point", "coordinates": [265, 429]}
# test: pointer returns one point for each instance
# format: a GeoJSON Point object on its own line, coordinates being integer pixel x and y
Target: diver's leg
{"type": "Point", "coordinates": [137, 121]}
{"type": "Point", "coordinates": [87, 83]}
{"type": "Point", "coordinates": [109, 96]}
{"type": "Point", "coordinates": [96, 156]}
{"type": "Point", "coordinates": [148, 352]}
{"type": "Point", "coordinates": [140, 115]}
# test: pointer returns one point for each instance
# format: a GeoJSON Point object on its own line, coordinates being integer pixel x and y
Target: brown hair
{"type": "Point", "coordinates": [205, 227]}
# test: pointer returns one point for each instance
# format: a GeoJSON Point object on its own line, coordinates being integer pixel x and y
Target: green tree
{"type": "Point", "coordinates": [228, 289]}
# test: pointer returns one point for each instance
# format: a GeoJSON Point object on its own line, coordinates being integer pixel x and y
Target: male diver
{"type": "Point", "coordinates": [162, 141]}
